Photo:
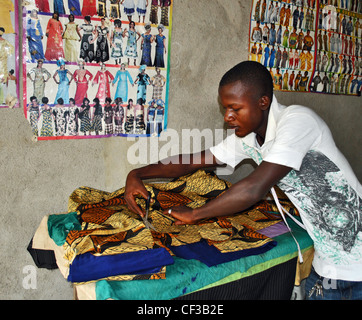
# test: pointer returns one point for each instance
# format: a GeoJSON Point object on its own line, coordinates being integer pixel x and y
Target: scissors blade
{"type": "Point", "coordinates": [145, 218]}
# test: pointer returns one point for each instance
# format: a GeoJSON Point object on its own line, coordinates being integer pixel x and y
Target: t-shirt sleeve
{"type": "Point", "coordinates": [296, 134]}
{"type": "Point", "coordinates": [229, 151]}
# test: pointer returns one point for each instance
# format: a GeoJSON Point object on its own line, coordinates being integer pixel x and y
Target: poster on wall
{"type": "Point", "coordinates": [95, 69]}
{"type": "Point", "coordinates": [9, 54]}
{"type": "Point", "coordinates": [310, 46]}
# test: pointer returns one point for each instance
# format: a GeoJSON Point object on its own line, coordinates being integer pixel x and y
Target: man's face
{"type": "Point", "coordinates": [242, 111]}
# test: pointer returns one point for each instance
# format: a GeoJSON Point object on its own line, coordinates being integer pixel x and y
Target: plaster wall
{"type": "Point", "coordinates": [209, 37]}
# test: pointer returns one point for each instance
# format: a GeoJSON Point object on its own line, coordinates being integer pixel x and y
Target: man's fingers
{"type": "Point", "coordinates": [133, 206]}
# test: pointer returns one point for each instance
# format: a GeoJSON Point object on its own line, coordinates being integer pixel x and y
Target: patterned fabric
{"type": "Point", "coordinates": [102, 51]}
{"type": "Point", "coordinates": [109, 227]}
{"type": "Point", "coordinates": [34, 116]}
{"type": "Point", "coordinates": [47, 124]}
{"type": "Point", "coordinates": [153, 15]}
{"type": "Point", "coordinates": [117, 42]}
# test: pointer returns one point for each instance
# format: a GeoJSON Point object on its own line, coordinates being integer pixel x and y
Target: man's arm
{"type": "Point", "coordinates": [172, 167]}
{"type": "Point", "coordinates": [239, 197]}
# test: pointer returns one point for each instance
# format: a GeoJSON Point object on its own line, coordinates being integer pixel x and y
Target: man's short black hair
{"type": "Point", "coordinates": [252, 74]}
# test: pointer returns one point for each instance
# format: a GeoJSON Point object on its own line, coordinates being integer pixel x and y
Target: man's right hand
{"type": "Point", "coordinates": [134, 188]}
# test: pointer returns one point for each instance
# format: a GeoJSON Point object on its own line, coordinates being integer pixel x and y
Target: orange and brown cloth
{"type": "Point", "coordinates": [109, 227]}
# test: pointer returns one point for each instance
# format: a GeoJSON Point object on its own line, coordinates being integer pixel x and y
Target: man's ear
{"type": "Point", "coordinates": [264, 103]}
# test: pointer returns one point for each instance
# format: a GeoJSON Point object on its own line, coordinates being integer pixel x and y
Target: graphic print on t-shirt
{"type": "Point", "coordinates": [332, 206]}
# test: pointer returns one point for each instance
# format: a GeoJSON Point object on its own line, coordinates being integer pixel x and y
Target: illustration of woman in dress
{"type": "Point", "coordinates": [59, 6]}
{"type": "Point", "coordinates": [129, 114]}
{"type": "Point", "coordinates": [165, 4]}
{"type": "Point", "coordinates": [89, 8]}
{"type": "Point", "coordinates": [285, 38]}
{"type": "Point", "coordinates": [59, 112]}
{"type": "Point", "coordinates": [86, 45]}
{"type": "Point", "coordinates": [11, 85]}
{"type": "Point", "coordinates": [158, 81]}
{"type": "Point", "coordinates": [122, 76]}
{"type": "Point", "coordinates": [63, 82]}
{"type": "Point", "coordinates": [103, 78]}
{"type": "Point", "coordinates": [74, 7]}
{"type": "Point", "coordinates": [129, 8]}
{"type": "Point", "coordinates": [103, 38]}
{"type": "Point", "coordinates": [154, 12]}
{"type": "Point", "coordinates": [71, 36]}
{"type": "Point", "coordinates": [81, 77]}
{"type": "Point", "coordinates": [102, 8]}
{"type": "Point", "coordinates": [42, 5]}
{"type": "Point", "coordinates": [6, 50]}
{"type": "Point", "coordinates": [72, 118]}
{"type": "Point", "coordinates": [116, 41]}
{"type": "Point", "coordinates": [133, 36]}
{"type": "Point", "coordinates": [114, 11]}
{"type": "Point", "coordinates": [160, 48]}
{"type": "Point", "coordinates": [118, 116]}
{"type": "Point", "coordinates": [139, 117]}
{"type": "Point", "coordinates": [34, 34]}
{"type": "Point", "coordinates": [151, 110]}
{"type": "Point", "coordinates": [108, 117]}
{"type": "Point", "coordinates": [7, 6]}
{"type": "Point", "coordinates": [84, 116]}
{"type": "Point", "coordinates": [41, 76]}
{"type": "Point", "coordinates": [160, 112]}
{"type": "Point", "coordinates": [143, 81]}
{"type": "Point", "coordinates": [142, 9]}
{"type": "Point", "coordinates": [96, 117]}
{"type": "Point", "coordinates": [46, 119]}
{"type": "Point", "coordinates": [147, 39]}
{"type": "Point", "coordinates": [54, 31]}
{"type": "Point", "coordinates": [33, 110]}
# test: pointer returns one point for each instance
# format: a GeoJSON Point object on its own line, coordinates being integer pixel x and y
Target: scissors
{"type": "Point", "coordinates": [145, 218]}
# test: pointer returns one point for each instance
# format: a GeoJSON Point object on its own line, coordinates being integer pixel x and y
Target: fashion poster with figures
{"type": "Point", "coordinates": [96, 69]}
{"type": "Point", "coordinates": [310, 46]}
{"type": "Point", "coordinates": [9, 54]}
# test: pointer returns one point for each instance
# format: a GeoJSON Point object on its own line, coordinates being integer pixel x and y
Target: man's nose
{"type": "Point", "coordinates": [228, 116]}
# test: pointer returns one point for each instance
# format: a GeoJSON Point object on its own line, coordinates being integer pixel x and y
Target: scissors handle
{"type": "Point", "coordinates": [145, 219]}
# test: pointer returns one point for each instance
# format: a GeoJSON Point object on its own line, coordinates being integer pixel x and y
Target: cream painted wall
{"type": "Point", "coordinates": [209, 37]}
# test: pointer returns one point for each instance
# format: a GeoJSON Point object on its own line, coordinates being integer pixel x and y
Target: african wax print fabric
{"type": "Point", "coordinates": [109, 227]}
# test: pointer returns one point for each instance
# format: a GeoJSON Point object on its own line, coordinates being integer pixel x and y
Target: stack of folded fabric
{"type": "Point", "coordinates": [102, 239]}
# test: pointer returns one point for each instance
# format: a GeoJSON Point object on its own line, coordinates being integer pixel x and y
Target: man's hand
{"type": "Point", "coordinates": [182, 214]}
{"type": "Point", "coordinates": [172, 167]}
{"type": "Point", "coordinates": [134, 188]}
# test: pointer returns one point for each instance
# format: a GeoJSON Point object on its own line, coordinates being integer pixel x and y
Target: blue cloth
{"type": "Point", "coordinates": [59, 226]}
{"type": "Point", "coordinates": [186, 276]}
{"type": "Point", "coordinates": [87, 267]}
{"type": "Point", "coordinates": [211, 256]}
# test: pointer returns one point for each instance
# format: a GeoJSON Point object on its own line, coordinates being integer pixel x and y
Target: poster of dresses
{"type": "Point", "coordinates": [96, 68]}
{"type": "Point", "coordinates": [309, 45]}
{"type": "Point", "coordinates": [9, 54]}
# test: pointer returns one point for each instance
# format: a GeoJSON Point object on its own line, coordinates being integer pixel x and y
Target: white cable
{"type": "Point", "coordinates": [282, 211]}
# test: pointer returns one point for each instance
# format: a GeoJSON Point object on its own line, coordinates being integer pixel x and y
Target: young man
{"type": "Point", "coordinates": [294, 149]}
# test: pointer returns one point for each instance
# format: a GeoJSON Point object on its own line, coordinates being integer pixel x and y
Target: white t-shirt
{"type": "Point", "coordinates": [321, 185]}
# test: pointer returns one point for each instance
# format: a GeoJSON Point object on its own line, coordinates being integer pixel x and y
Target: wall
{"type": "Point", "coordinates": [37, 178]}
